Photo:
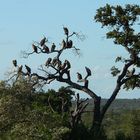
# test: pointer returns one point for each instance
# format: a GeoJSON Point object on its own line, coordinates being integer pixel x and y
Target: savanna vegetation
{"type": "Point", "coordinates": [29, 112]}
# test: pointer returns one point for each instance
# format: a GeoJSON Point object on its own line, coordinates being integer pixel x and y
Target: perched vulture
{"type": "Point", "coordinates": [130, 73]}
{"type": "Point", "coordinates": [68, 64]}
{"type": "Point", "coordinates": [34, 48]}
{"type": "Point", "coordinates": [42, 42]}
{"type": "Point", "coordinates": [79, 76]}
{"type": "Point", "coordinates": [59, 64]}
{"type": "Point", "coordinates": [28, 69]}
{"type": "Point", "coordinates": [133, 71]}
{"type": "Point", "coordinates": [48, 61]}
{"type": "Point", "coordinates": [53, 47]}
{"type": "Point", "coordinates": [15, 63]}
{"type": "Point", "coordinates": [70, 43]}
{"type": "Point", "coordinates": [63, 66]}
{"type": "Point", "coordinates": [66, 31]}
{"type": "Point", "coordinates": [46, 49]}
{"type": "Point", "coordinates": [55, 61]}
{"type": "Point", "coordinates": [88, 71]}
{"type": "Point", "coordinates": [20, 69]}
{"type": "Point", "coordinates": [63, 44]}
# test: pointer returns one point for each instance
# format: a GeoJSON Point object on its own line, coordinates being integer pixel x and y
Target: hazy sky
{"type": "Point", "coordinates": [25, 21]}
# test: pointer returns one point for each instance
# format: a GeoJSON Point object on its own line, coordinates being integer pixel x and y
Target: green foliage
{"type": "Point", "coordinates": [119, 58]}
{"type": "Point", "coordinates": [115, 71]}
{"type": "Point", "coordinates": [121, 21]}
{"type": "Point", "coordinates": [121, 125]}
{"type": "Point", "coordinates": [60, 101]}
{"type": "Point", "coordinates": [27, 115]}
{"type": "Point", "coordinates": [80, 132]}
{"type": "Point", "coordinates": [136, 125]}
{"type": "Point", "coordinates": [117, 16]}
{"type": "Point", "coordinates": [132, 83]}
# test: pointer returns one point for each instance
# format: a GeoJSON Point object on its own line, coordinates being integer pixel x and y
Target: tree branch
{"type": "Point", "coordinates": [117, 88]}
{"type": "Point", "coordinates": [79, 87]}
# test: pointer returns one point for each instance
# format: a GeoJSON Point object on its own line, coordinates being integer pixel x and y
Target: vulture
{"type": "Point", "coordinates": [63, 66]}
{"type": "Point", "coordinates": [66, 31]}
{"type": "Point", "coordinates": [48, 61]}
{"type": "Point", "coordinates": [53, 47]}
{"type": "Point", "coordinates": [20, 69]}
{"type": "Point", "coordinates": [28, 69]}
{"type": "Point", "coordinates": [88, 71]}
{"type": "Point", "coordinates": [42, 42]}
{"type": "Point", "coordinates": [15, 63]}
{"type": "Point", "coordinates": [68, 64]}
{"type": "Point", "coordinates": [55, 61]}
{"type": "Point", "coordinates": [70, 43]}
{"type": "Point", "coordinates": [79, 76]}
{"type": "Point", "coordinates": [34, 48]}
{"type": "Point", "coordinates": [63, 44]}
{"type": "Point", "coordinates": [130, 73]}
{"type": "Point", "coordinates": [46, 49]}
{"type": "Point", "coordinates": [133, 71]}
{"type": "Point", "coordinates": [59, 64]}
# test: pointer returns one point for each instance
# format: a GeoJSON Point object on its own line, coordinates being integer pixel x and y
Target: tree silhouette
{"type": "Point", "coordinates": [121, 23]}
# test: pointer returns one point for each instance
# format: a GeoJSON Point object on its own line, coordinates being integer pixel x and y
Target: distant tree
{"type": "Point", "coordinates": [121, 21]}
{"type": "Point", "coordinates": [135, 125]}
{"type": "Point", "coordinates": [28, 115]}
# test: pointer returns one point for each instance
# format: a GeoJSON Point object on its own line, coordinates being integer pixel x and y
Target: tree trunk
{"type": "Point", "coordinates": [96, 125]}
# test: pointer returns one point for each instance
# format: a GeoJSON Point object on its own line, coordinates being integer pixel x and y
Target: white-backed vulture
{"type": "Point", "coordinates": [130, 73]}
{"type": "Point", "coordinates": [42, 42]}
{"type": "Point", "coordinates": [46, 49]}
{"type": "Point", "coordinates": [48, 61]}
{"type": "Point", "coordinates": [28, 69]}
{"type": "Point", "coordinates": [68, 64]}
{"type": "Point", "coordinates": [79, 76]}
{"type": "Point", "coordinates": [53, 47]}
{"type": "Point", "coordinates": [69, 44]}
{"type": "Point", "coordinates": [15, 63]}
{"type": "Point", "coordinates": [34, 48]}
{"type": "Point", "coordinates": [63, 44]}
{"type": "Point", "coordinates": [66, 31]}
{"type": "Point", "coordinates": [88, 71]}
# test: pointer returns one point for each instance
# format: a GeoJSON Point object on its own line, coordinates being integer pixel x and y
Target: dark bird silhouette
{"type": "Point", "coordinates": [79, 76]}
{"type": "Point", "coordinates": [28, 69]}
{"type": "Point", "coordinates": [53, 47]}
{"type": "Point", "coordinates": [46, 49]}
{"type": "Point", "coordinates": [59, 64]}
{"type": "Point", "coordinates": [69, 44]}
{"type": "Point", "coordinates": [66, 31]}
{"type": "Point", "coordinates": [68, 64]}
{"type": "Point", "coordinates": [63, 44]}
{"type": "Point", "coordinates": [48, 61]}
{"type": "Point", "coordinates": [88, 71]}
{"type": "Point", "coordinates": [15, 63]}
{"type": "Point", "coordinates": [55, 61]}
{"type": "Point", "coordinates": [63, 66]}
{"type": "Point", "coordinates": [42, 42]}
{"type": "Point", "coordinates": [34, 48]}
{"type": "Point", "coordinates": [20, 69]}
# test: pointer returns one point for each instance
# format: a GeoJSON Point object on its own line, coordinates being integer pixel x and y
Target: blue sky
{"type": "Point", "coordinates": [25, 21]}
